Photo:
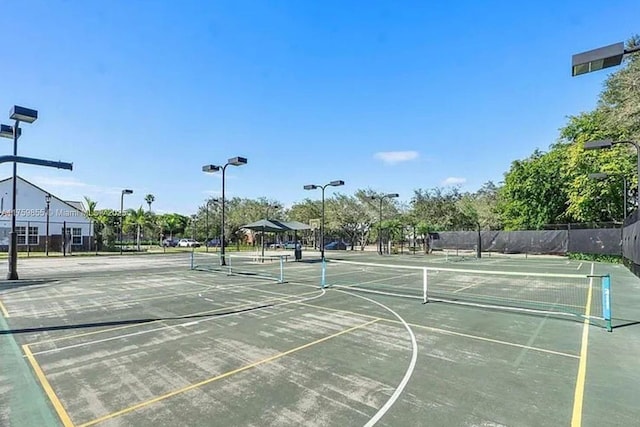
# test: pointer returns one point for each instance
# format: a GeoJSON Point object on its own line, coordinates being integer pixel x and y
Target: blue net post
{"type": "Point", "coordinates": [323, 279]}
{"type": "Point", "coordinates": [606, 301]}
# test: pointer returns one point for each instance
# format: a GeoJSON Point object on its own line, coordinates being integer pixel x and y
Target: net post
{"type": "Point", "coordinates": [228, 262]}
{"type": "Point", "coordinates": [281, 269]}
{"type": "Point", "coordinates": [323, 274]}
{"type": "Point", "coordinates": [606, 301]}
{"type": "Point", "coordinates": [191, 256]}
{"type": "Point", "coordinates": [425, 297]}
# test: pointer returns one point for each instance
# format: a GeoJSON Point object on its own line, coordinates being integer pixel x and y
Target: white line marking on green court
{"type": "Point", "coordinates": [412, 364]}
{"type": "Point", "coordinates": [58, 349]}
{"type": "Point", "coordinates": [579, 266]}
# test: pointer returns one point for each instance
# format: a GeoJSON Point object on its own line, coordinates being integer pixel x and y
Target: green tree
{"type": "Point", "coordinates": [93, 216]}
{"type": "Point", "coordinates": [137, 219]}
{"type": "Point", "coordinates": [149, 198]}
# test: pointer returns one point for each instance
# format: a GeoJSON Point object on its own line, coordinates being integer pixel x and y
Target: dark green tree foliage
{"type": "Point", "coordinates": [533, 193]}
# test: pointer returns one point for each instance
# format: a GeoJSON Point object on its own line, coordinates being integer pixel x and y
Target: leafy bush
{"type": "Point", "coordinates": [612, 259]}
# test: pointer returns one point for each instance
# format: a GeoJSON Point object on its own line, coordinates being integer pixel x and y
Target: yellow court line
{"type": "Point", "coordinates": [578, 398]}
{"type": "Point", "coordinates": [4, 310]}
{"type": "Point", "coordinates": [221, 376]}
{"type": "Point", "coordinates": [186, 316]}
{"type": "Point", "coordinates": [62, 413]}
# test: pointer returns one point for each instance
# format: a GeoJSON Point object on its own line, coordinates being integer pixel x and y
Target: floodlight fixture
{"type": "Point", "coordinates": [337, 183]}
{"type": "Point", "coordinates": [310, 187]}
{"type": "Point", "coordinates": [23, 114]}
{"type": "Point", "coordinates": [237, 161]}
{"type": "Point", "coordinates": [126, 191]}
{"type": "Point", "coordinates": [598, 175]}
{"type": "Point", "coordinates": [6, 131]}
{"type": "Point", "coordinates": [598, 145]}
{"type": "Point", "coordinates": [210, 168]}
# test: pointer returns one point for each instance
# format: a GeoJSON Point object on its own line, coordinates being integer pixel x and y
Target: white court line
{"type": "Point", "coordinates": [407, 376]}
{"type": "Point", "coordinates": [58, 349]}
{"type": "Point", "coordinates": [579, 266]}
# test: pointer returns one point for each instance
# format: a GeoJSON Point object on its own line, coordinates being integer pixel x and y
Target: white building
{"type": "Point", "coordinates": [33, 218]}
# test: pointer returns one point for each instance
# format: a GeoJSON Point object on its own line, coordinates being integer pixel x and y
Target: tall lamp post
{"type": "Point", "coordinates": [607, 144]}
{"type": "Point", "coordinates": [122, 214]}
{"type": "Point", "coordinates": [337, 183]}
{"type": "Point", "coordinates": [381, 198]}
{"type": "Point", "coordinates": [234, 161]}
{"type": "Point", "coordinates": [206, 222]}
{"type": "Point", "coordinates": [47, 200]}
{"type": "Point", "coordinates": [26, 115]}
{"type": "Point", "coordinates": [602, 176]}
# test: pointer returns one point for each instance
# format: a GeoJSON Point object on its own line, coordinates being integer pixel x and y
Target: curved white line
{"type": "Point", "coordinates": [407, 376]}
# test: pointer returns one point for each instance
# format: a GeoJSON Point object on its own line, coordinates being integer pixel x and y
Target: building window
{"type": "Point", "coordinates": [76, 234]}
{"type": "Point", "coordinates": [33, 235]}
{"type": "Point", "coordinates": [21, 234]}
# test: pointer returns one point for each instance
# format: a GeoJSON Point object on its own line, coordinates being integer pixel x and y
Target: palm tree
{"type": "Point", "coordinates": [93, 216]}
{"type": "Point", "coordinates": [149, 198]}
{"type": "Point", "coordinates": [138, 219]}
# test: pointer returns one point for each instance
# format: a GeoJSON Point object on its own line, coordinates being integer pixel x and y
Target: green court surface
{"type": "Point", "coordinates": [147, 341]}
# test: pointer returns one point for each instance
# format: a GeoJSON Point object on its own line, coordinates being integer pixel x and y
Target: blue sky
{"type": "Point", "coordinates": [390, 95]}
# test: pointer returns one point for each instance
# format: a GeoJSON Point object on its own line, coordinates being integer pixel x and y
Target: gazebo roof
{"type": "Point", "coordinates": [272, 225]}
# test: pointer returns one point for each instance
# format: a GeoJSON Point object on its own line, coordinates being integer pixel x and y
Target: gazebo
{"type": "Point", "coordinates": [275, 226]}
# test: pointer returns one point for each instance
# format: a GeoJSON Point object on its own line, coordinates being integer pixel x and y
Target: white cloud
{"type": "Point", "coordinates": [453, 180]}
{"type": "Point", "coordinates": [394, 157]}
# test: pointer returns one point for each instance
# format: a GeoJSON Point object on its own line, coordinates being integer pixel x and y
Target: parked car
{"type": "Point", "coordinates": [188, 243]}
{"type": "Point", "coordinates": [289, 245]}
{"type": "Point", "coordinates": [276, 245]}
{"type": "Point", "coordinates": [213, 243]}
{"type": "Point", "coordinates": [170, 243]}
{"type": "Point", "coordinates": [336, 246]}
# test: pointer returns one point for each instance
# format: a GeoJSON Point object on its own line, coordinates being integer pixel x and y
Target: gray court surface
{"type": "Point", "coordinates": [145, 341]}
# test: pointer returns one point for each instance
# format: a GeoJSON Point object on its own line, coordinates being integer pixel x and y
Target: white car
{"type": "Point", "coordinates": [188, 243]}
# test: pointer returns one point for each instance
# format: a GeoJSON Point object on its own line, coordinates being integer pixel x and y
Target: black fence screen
{"type": "Point", "coordinates": [604, 241]}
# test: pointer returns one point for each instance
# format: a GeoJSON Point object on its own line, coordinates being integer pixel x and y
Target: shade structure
{"type": "Point", "coordinates": [275, 226]}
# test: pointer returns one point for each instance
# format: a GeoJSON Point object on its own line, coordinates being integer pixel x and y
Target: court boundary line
{"type": "Point", "coordinates": [409, 372]}
{"type": "Point", "coordinates": [163, 327]}
{"type": "Point", "coordinates": [44, 382]}
{"type": "Point", "coordinates": [224, 375]}
{"type": "Point", "coordinates": [439, 330]}
{"type": "Point", "coordinates": [3, 309]}
{"type": "Point", "coordinates": [184, 316]}
{"type": "Point", "coordinates": [449, 332]}
{"type": "Point", "coordinates": [578, 397]}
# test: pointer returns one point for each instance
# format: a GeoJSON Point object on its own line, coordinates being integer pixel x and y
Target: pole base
{"type": "Point", "coordinates": [12, 275]}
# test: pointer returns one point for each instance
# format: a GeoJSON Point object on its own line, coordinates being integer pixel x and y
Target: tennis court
{"type": "Point", "coordinates": [150, 340]}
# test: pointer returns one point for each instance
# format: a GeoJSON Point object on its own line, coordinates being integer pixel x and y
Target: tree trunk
{"type": "Point", "coordinates": [138, 237]}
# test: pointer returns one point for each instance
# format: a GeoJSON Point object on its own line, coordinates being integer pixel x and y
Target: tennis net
{"type": "Point", "coordinates": [577, 295]}
{"type": "Point", "coordinates": [267, 267]}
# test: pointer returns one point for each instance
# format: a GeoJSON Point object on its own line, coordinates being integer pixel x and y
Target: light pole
{"type": "Point", "coordinates": [381, 198]}
{"type": "Point", "coordinates": [607, 144]}
{"type": "Point", "coordinates": [47, 200]}
{"type": "Point", "coordinates": [602, 176]}
{"type": "Point", "coordinates": [122, 213]}
{"type": "Point", "coordinates": [234, 161]}
{"type": "Point", "coordinates": [206, 219]}
{"type": "Point", "coordinates": [26, 115]}
{"type": "Point", "coordinates": [337, 183]}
